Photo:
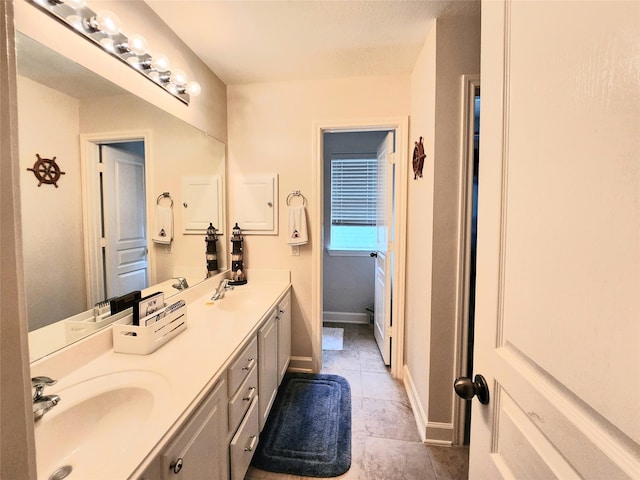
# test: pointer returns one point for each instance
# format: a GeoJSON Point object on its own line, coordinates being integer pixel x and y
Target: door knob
{"type": "Point", "coordinates": [468, 389]}
{"type": "Point", "coordinates": [373, 254]}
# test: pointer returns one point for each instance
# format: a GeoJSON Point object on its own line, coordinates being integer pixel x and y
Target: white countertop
{"type": "Point", "coordinates": [190, 364]}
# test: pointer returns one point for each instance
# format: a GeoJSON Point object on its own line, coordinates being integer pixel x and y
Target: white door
{"type": "Point", "coordinates": [558, 279]}
{"type": "Point", "coordinates": [125, 237]}
{"type": "Point", "coordinates": [383, 255]}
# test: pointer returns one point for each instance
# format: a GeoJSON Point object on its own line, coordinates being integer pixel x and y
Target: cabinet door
{"type": "Point", "coordinates": [198, 451]}
{"type": "Point", "coordinates": [267, 366]}
{"type": "Point", "coordinates": [201, 203]}
{"type": "Point", "coordinates": [257, 204]}
{"type": "Point", "coordinates": [284, 335]}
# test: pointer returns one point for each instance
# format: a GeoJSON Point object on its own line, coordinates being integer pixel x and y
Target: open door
{"type": "Point", "coordinates": [383, 254]}
{"type": "Point", "coordinates": [557, 334]}
{"type": "Point", "coordinates": [124, 219]}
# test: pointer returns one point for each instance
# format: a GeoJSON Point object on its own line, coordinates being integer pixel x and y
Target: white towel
{"type": "Point", "coordinates": [163, 228]}
{"type": "Point", "coordinates": [297, 225]}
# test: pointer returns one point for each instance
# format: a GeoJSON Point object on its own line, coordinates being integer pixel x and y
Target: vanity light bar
{"type": "Point", "coordinates": [102, 28]}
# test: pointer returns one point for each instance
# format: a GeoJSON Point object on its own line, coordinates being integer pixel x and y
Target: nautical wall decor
{"type": "Point", "coordinates": [418, 159]}
{"type": "Point", "coordinates": [46, 171]}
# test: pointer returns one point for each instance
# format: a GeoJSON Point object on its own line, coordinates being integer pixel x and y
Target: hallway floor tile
{"type": "Point", "coordinates": [385, 440]}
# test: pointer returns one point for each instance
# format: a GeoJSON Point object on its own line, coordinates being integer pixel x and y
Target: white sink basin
{"type": "Point", "coordinates": [95, 422]}
{"type": "Point", "coordinates": [240, 297]}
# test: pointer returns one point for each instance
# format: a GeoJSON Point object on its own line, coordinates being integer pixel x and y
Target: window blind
{"type": "Point", "coordinates": [354, 184]}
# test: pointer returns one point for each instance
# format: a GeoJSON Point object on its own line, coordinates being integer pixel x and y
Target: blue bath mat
{"type": "Point", "coordinates": [308, 431]}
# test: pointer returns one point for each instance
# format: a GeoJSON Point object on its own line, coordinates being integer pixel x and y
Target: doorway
{"type": "Point", "coordinates": [468, 242]}
{"type": "Point", "coordinates": [115, 176]}
{"type": "Point", "coordinates": [125, 261]}
{"type": "Point", "coordinates": [395, 240]}
{"type": "Point", "coordinates": [351, 284]}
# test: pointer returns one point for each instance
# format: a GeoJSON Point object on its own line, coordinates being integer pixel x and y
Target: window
{"type": "Point", "coordinates": [354, 184]}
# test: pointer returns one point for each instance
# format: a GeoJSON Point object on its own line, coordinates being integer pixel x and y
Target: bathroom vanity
{"type": "Point", "coordinates": [192, 409]}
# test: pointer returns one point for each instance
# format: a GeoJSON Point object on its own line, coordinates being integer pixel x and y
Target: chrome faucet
{"type": "Point", "coordinates": [182, 283]}
{"type": "Point", "coordinates": [223, 286]}
{"type": "Point", "coordinates": [42, 403]}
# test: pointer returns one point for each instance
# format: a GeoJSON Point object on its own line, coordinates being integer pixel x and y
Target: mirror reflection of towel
{"type": "Point", "coordinates": [163, 227]}
{"type": "Point", "coordinates": [297, 231]}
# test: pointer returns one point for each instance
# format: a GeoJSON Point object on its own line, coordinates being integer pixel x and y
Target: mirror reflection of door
{"type": "Point", "coordinates": [124, 246]}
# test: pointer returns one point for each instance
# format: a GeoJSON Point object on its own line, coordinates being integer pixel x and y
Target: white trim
{"type": "Point", "coordinates": [439, 433]}
{"type": "Point", "coordinates": [469, 83]}
{"type": "Point", "coordinates": [89, 154]}
{"type": "Point", "coordinates": [301, 364]}
{"type": "Point", "coordinates": [400, 125]}
{"type": "Point", "coordinates": [345, 317]}
{"type": "Point", "coordinates": [416, 407]}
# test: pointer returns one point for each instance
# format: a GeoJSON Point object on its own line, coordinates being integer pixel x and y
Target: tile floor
{"type": "Point", "coordinates": [385, 440]}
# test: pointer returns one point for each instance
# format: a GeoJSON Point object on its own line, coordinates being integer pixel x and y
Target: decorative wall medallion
{"type": "Point", "coordinates": [46, 171]}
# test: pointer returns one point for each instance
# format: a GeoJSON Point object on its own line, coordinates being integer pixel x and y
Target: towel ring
{"type": "Point", "coordinates": [296, 193]}
{"type": "Point", "coordinates": [164, 195]}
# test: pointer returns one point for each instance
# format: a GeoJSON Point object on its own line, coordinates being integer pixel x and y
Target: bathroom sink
{"type": "Point", "coordinates": [96, 421]}
{"type": "Point", "coordinates": [239, 298]}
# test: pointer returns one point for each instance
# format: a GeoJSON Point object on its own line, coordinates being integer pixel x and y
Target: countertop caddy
{"type": "Point", "coordinates": [148, 337]}
{"type": "Point", "coordinates": [166, 385]}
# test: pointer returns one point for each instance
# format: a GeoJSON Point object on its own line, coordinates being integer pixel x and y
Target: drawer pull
{"type": "Point", "coordinates": [252, 393]}
{"type": "Point", "coordinates": [249, 365]}
{"type": "Point", "coordinates": [252, 445]}
{"type": "Point", "coordinates": [176, 466]}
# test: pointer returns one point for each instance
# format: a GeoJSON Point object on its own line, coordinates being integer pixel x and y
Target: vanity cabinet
{"type": "Point", "coordinates": [267, 365]}
{"type": "Point", "coordinates": [284, 335]}
{"type": "Point", "coordinates": [198, 451]}
{"type": "Point", "coordinates": [219, 439]}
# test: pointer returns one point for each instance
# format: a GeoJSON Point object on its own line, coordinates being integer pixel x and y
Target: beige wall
{"type": "Point", "coordinates": [48, 124]}
{"type": "Point", "coordinates": [431, 342]}
{"type": "Point", "coordinates": [420, 226]}
{"type": "Point", "coordinates": [271, 130]}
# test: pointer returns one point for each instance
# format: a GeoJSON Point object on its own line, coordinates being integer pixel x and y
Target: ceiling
{"type": "Point", "coordinates": [245, 41]}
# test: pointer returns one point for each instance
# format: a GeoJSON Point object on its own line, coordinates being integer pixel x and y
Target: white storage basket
{"type": "Point", "coordinates": [141, 340]}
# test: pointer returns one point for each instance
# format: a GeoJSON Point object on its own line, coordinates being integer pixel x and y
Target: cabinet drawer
{"type": "Point", "coordinates": [244, 443]}
{"type": "Point", "coordinates": [241, 401]}
{"type": "Point", "coordinates": [240, 368]}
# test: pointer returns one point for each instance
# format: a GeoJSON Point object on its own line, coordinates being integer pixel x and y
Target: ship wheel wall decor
{"type": "Point", "coordinates": [46, 171]}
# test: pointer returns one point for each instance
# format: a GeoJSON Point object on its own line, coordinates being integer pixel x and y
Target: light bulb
{"type": "Point", "coordinates": [160, 63]}
{"type": "Point", "coordinates": [76, 3]}
{"type": "Point", "coordinates": [133, 61]}
{"type": "Point", "coordinates": [172, 88]}
{"type": "Point", "coordinates": [193, 88]}
{"type": "Point", "coordinates": [107, 21]}
{"type": "Point", "coordinates": [179, 77]}
{"type": "Point", "coordinates": [137, 44]}
{"type": "Point", "coordinates": [108, 44]}
{"type": "Point", "coordinates": [75, 21]}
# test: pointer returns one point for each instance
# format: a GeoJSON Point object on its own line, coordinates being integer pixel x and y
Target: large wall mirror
{"type": "Point", "coordinates": [119, 155]}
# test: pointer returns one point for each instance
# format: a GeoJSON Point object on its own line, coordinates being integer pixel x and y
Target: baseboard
{"type": "Point", "coordinates": [301, 364]}
{"type": "Point", "coordinates": [416, 407]}
{"type": "Point", "coordinates": [345, 317]}
{"type": "Point", "coordinates": [439, 433]}
{"type": "Point", "coordinates": [431, 433]}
